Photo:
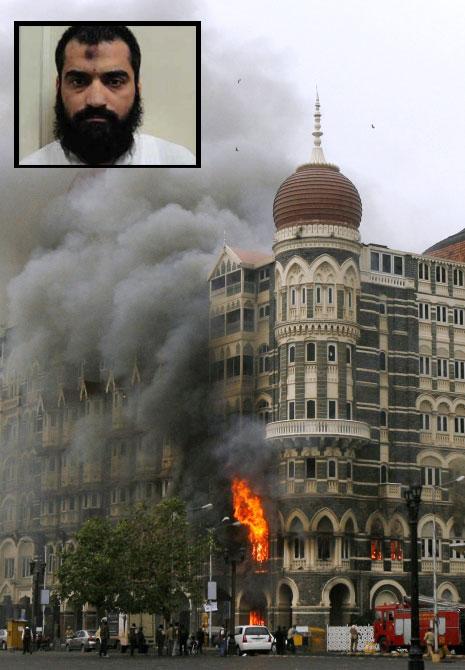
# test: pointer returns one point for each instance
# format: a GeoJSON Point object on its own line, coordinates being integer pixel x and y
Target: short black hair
{"type": "Point", "coordinates": [92, 35]}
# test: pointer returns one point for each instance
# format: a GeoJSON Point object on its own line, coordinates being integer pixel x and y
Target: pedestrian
{"type": "Point", "coordinates": [176, 639]}
{"type": "Point", "coordinates": [104, 637]}
{"type": "Point", "coordinates": [160, 639]}
{"type": "Point", "coordinates": [200, 635]}
{"type": "Point", "coordinates": [280, 641]}
{"type": "Point", "coordinates": [27, 640]}
{"type": "Point", "coordinates": [290, 639]}
{"type": "Point", "coordinates": [353, 638]}
{"type": "Point", "coordinates": [428, 639]}
{"type": "Point", "coordinates": [222, 642]}
{"type": "Point", "coordinates": [132, 638]}
{"type": "Point", "coordinates": [183, 637]}
{"type": "Point", "coordinates": [141, 643]}
{"type": "Point", "coordinates": [170, 639]}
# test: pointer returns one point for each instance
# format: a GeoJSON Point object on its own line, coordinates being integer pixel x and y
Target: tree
{"type": "Point", "coordinates": [148, 562]}
{"type": "Point", "coordinates": [93, 572]}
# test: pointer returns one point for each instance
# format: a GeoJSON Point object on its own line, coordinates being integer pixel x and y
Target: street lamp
{"type": "Point", "coordinates": [234, 559]}
{"type": "Point", "coordinates": [412, 498]}
{"type": "Point", "coordinates": [435, 589]}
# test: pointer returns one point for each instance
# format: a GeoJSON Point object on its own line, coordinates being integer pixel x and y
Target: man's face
{"type": "Point", "coordinates": [98, 104]}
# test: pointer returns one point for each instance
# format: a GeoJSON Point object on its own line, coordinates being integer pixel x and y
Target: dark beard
{"type": "Point", "coordinates": [96, 142]}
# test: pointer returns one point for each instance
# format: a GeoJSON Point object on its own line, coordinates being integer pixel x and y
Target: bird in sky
{"type": "Point", "coordinates": [239, 81]}
{"type": "Point", "coordinates": [372, 125]}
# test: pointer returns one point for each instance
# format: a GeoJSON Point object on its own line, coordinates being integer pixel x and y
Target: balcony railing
{"type": "Point", "coordinates": [389, 491]}
{"type": "Point", "coordinates": [457, 566]}
{"type": "Point", "coordinates": [340, 427]}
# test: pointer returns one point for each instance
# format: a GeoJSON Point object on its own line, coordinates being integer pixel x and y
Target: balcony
{"type": "Point", "coordinates": [427, 565]}
{"type": "Point", "coordinates": [390, 491]}
{"type": "Point", "coordinates": [397, 566]}
{"type": "Point", "coordinates": [377, 566]}
{"type": "Point", "coordinates": [332, 486]}
{"type": "Point", "coordinates": [310, 486]}
{"type": "Point", "coordinates": [430, 493]}
{"type": "Point", "coordinates": [323, 427]}
{"type": "Point", "coordinates": [457, 566]}
{"type": "Point", "coordinates": [298, 564]}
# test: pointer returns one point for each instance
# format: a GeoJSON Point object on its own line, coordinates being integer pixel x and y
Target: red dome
{"type": "Point", "coordinates": [317, 192]}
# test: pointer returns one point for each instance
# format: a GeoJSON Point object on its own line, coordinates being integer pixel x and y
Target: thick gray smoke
{"type": "Point", "coordinates": [113, 265]}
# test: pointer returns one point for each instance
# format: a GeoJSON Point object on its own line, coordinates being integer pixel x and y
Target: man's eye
{"type": "Point", "coordinates": [77, 82]}
{"type": "Point", "coordinates": [115, 83]}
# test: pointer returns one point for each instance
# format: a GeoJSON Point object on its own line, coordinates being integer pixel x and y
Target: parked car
{"type": "Point", "coordinates": [84, 640]}
{"type": "Point", "coordinates": [251, 639]}
{"type": "Point", "coordinates": [3, 637]}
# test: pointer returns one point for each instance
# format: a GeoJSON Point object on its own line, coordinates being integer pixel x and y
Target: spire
{"type": "Point", "coordinates": [318, 156]}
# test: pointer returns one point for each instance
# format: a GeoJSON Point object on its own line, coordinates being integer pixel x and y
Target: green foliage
{"type": "Point", "coordinates": [146, 563]}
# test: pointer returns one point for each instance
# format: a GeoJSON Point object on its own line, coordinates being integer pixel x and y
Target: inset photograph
{"type": "Point", "coordinates": [107, 94]}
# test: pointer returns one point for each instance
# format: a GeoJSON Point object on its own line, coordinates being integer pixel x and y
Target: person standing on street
{"type": "Point", "coordinates": [428, 639]}
{"type": "Point", "coordinates": [27, 641]}
{"type": "Point", "coordinates": [160, 639]}
{"type": "Point", "coordinates": [170, 639]}
{"type": "Point", "coordinates": [290, 639]}
{"type": "Point", "coordinates": [104, 637]}
{"type": "Point", "coordinates": [132, 638]}
{"type": "Point", "coordinates": [353, 638]}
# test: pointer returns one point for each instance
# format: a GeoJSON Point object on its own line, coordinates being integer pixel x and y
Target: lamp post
{"type": "Point", "coordinates": [412, 498]}
{"type": "Point", "coordinates": [435, 586]}
{"type": "Point", "coordinates": [234, 559]}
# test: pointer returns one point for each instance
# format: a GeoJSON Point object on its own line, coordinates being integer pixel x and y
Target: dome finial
{"type": "Point", "coordinates": [317, 156]}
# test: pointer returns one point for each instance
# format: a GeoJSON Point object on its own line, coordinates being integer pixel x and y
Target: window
{"type": "Point", "coordinates": [441, 314]}
{"type": "Point", "coordinates": [332, 469]}
{"type": "Point", "coordinates": [382, 360]}
{"type": "Point", "coordinates": [459, 425]}
{"type": "Point", "coordinates": [299, 548]}
{"type": "Point", "coordinates": [264, 274]}
{"type": "Point", "coordinates": [291, 353]}
{"type": "Point", "coordinates": [374, 261]}
{"type": "Point", "coordinates": [387, 263]}
{"type": "Point", "coordinates": [233, 366]}
{"type": "Point", "coordinates": [310, 468]}
{"type": "Point", "coordinates": [398, 265]}
{"type": "Point", "coordinates": [441, 423]}
{"type": "Point", "coordinates": [425, 422]}
{"type": "Point", "coordinates": [311, 409]}
{"type": "Point", "coordinates": [459, 317]}
{"type": "Point", "coordinates": [25, 566]}
{"type": "Point", "coordinates": [346, 547]}
{"type": "Point", "coordinates": [458, 277]}
{"type": "Point", "coordinates": [376, 551]}
{"type": "Point", "coordinates": [247, 365]}
{"type": "Point", "coordinates": [349, 470]}
{"type": "Point", "coordinates": [425, 365]}
{"type": "Point", "coordinates": [423, 311]}
{"type": "Point", "coordinates": [310, 352]}
{"type": "Point", "coordinates": [318, 300]}
{"type": "Point", "coordinates": [427, 547]}
{"type": "Point", "coordinates": [383, 474]}
{"type": "Point", "coordinates": [383, 418]}
{"type": "Point", "coordinates": [397, 553]}
{"type": "Point", "coordinates": [291, 410]}
{"type": "Point", "coordinates": [264, 311]}
{"type": "Point", "coordinates": [249, 319]}
{"type": "Point", "coordinates": [330, 295]}
{"type": "Point", "coordinates": [348, 355]}
{"type": "Point", "coordinates": [332, 353]}
{"type": "Point", "coordinates": [293, 296]}
{"type": "Point", "coordinates": [423, 271]}
{"type": "Point", "coordinates": [9, 568]}
{"type": "Point", "coordinates": [441, 274]}
{"type": "Point", "coordinates": [454, 553]}
{"type": "Point", "coordinates": [443, 368]}
{"type": "Point", "coordinates": [324, 547]}
{"type": "Point", "coordinates": [303, 295]}
{"type": "Point", "coordinates": [459, 369]}
{"type": "Point", "coordinates": [332, 409]}
{"type": "Point", "coordinates": [382, 308]}
{"type": "Point", "coordinates": [349, 411]}
{"type": "Point", "coordinates": [431, 476]}
{"type": "Point", "coordinates": [291, 469]}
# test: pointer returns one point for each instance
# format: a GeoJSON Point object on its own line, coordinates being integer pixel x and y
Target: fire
{"type": "Point", "coordinates": [248, 510]}
{"type": "Point", "coordinates": [256, 619]}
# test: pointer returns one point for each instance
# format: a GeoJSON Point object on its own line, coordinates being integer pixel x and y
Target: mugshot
{"type": "Point", "coordinates": [110, 95]}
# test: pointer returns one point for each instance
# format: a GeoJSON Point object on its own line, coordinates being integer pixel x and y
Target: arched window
{"type": "Point", "coordinates": [291, 353]}
{"type": "Point", "coordinates": [382, 360]}
{"type": "Point", "coordinates": [332, 468]}
{"type": "Point", "coordinates": [383, 474]}
{"type": "Point", "coordinates": [324, 539]}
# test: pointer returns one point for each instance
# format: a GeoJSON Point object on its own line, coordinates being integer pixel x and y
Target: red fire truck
{"type": "Point", "coordinates": [392, 625]}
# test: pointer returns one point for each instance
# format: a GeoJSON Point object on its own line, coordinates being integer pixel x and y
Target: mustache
{"type": "Point", "coordinates": [94, 113]}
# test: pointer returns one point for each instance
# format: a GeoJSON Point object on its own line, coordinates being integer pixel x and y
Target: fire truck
{"type": "Point", "coordinates": [392, 625]}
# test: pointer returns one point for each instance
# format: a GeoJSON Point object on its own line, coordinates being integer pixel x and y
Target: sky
{"type": "Point", "coordinates": [397, 66]}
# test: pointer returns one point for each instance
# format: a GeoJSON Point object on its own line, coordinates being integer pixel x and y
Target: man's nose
{"type": "Point", "coordinates": [96, 94]}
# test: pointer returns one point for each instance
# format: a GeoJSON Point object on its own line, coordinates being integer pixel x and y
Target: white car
{"type": "Point", "coordinates": [250, 639]}
{"type": "Point", "coordinates": [3, 637]}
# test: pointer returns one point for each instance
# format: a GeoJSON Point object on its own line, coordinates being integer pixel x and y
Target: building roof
{"type": "Point", "coordinates": [317, 191]}
{"type": "Point", "coordinates": [451, 248]}
{"type": "Point", "coordinates": [252, 257]}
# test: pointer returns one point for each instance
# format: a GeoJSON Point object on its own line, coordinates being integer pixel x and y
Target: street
{"type": "Point", "coordinates": [63, 660]}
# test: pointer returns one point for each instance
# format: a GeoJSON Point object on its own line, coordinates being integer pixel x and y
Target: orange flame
{"type": "Point", "coordinates": [256, 619]}
{"type": "Point", "coordinates": [248, 510]}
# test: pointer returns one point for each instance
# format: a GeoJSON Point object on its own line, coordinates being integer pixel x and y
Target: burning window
{"type": "Point", "coordinates": [376, 552]}
{"type": "Point", "coordinates": [248, 509]}
{"type": "Point", "coordinates": [396, 550]}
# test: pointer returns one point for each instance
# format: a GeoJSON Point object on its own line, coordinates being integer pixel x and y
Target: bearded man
{"type": "Point", "coordinates": [98, 104]}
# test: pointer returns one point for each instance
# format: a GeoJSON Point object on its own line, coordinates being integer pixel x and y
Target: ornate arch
{"type": "Point", "coordinates": [348, 514]}
{"type": "Point", "coordinates": [330, 584]}
{"type": "Point", "coordinates": [376, 516]}
{"type": "Point", "coordinates": [384, 583]}
{"type": "Point", "coordinates": [297, 514]}
{"type": "Point", "coordinates": [448, 586]}
{"type": "Point", "coordinates": [324, 512]}
{"type": "Point", "coordinates": [429, 518]}
{"type": "Point", "coordinates": [398, 518]}
{"type": "Point", "coordinates": [292, 585]}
